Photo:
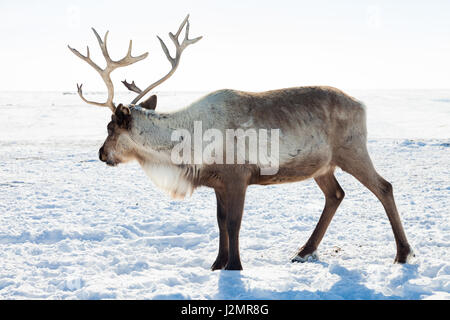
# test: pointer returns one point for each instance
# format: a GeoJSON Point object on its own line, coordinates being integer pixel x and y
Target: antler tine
{"type": "Point", "coordinates": [129, 59]}
{"type": "Point", "coordinates": [102, 44]}
{"type": "Point", "coordinates": [173, 61]}
{"type": "Point", "coordinates": [86, 58]}
{"type": "Point", "coordinates": [186, 41]}
{"type": "Point", "coordinates": [130, 46]}
{"type": "Point", "coordinates": [80, 93]}
{"type": "Point", "coordinates": [166, 52]}
{"type": "Point", "coordinates": [186, 20]}
{"type": "Point", "coordinates": [131, 86]}
{"type": "Point", "coordinates": [111, 65]}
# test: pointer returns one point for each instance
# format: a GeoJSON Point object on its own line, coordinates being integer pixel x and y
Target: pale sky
{"type": "Point", "coordinates": [247, 45]}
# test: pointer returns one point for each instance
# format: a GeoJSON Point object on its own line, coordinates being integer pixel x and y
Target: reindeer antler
{"type": "Point", "coordinates": [111, 65]}
{"type": "Point", "coordinates": [173, 61]}
{"type": "Point", "coordinates": [131, 86]}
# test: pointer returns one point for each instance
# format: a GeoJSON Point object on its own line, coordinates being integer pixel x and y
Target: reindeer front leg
{"type": "Point", "coordinates": [222, 256]}
{"type": "Point", "coordinates": [231, 198]}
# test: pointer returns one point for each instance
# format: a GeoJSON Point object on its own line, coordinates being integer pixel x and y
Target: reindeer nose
{"type": "Point", "coordinates": [101, 154]}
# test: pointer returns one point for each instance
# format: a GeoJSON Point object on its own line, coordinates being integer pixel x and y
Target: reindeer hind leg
{"type": "Point", "coordinates": [357, 162]}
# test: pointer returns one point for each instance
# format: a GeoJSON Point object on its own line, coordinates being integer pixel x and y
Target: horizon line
{"type": "Point", "coordinates": [202, 91]}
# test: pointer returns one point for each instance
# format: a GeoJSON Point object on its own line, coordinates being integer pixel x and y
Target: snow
{"type": "Point", "coordinates": [73, 228]}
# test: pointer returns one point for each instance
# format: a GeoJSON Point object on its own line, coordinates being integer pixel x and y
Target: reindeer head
{"type": "Point", "coordinates": [118, 146]}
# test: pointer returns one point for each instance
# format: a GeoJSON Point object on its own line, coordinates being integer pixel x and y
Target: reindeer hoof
{"type": "Point", "coordinates": [308, 257]}
{"type": "Point", "coordinates": [404, 256]}
{"type": "Point", "coordinates": [219, 264]}
{"type": "Point", "coordinates": [304, 254]}
{"type": "Point", "coordinates": [236, 266]}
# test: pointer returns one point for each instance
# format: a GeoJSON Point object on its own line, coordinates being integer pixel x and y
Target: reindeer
{"type": "Point", "coordinates": [321, 128]}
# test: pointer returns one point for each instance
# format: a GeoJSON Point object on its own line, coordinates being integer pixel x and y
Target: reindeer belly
{"type": "Point", "coordinates": [299, 164]}
{"type": "Point", "coordinates": [296, 171]}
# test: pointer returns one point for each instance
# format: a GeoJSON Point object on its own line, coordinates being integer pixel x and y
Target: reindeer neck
{"type": "Point", "coordinates": [151, 133]}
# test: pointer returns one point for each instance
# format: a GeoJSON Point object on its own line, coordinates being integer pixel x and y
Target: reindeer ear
{"type": "Point", "coordinates": [150, 103]}
{"type": "Point", "coordinates": [123, 116]}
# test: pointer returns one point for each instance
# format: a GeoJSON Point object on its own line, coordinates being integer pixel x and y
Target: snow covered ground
{"type": "Point", "coordinates": [73, 228]}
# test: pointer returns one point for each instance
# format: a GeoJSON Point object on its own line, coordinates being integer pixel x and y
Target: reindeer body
{"type": "Point", "coordinates": [320, 128]}
{"type": "Point", "coordinates": [308, 118]}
